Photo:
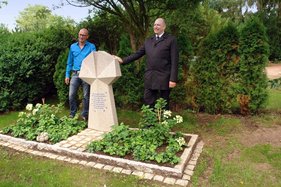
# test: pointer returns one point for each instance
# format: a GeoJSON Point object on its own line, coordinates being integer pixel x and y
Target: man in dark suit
{"type": "Point", "coordinates": [161, 70]}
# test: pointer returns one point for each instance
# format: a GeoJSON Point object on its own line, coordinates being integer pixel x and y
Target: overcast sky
{"type": "Point", "coordinates": [9, 13]}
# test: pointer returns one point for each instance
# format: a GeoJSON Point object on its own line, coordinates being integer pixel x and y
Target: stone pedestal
{"type": "Point", "coordinates": [101, 70]}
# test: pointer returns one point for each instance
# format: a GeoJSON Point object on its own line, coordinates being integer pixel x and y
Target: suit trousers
{"type": "Point", "coordinates": [150, 97]}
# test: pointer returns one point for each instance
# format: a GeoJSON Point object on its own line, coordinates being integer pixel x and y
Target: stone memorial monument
{"type": "Point", "coordinates": [101, 70]}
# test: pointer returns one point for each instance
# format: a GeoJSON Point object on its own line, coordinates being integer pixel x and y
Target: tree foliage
{"type": "Point", "coordinates": [231, 9]}
{"type": "Point", "coordinates": [270, 14]}
{"type": "Point", "coordinates": [269, 11]}
{"type": "Point", "coordinates": [38, 17]}
{"type": "Point", "coordinates": [136, 16]}
{"type": "Point", "coordinates": [273, 25]}
{"type": "Point", "coordinates": [104, 31]}
{"type": "Point", "coordinates": [3, 3]}
{"type": "Point", "coordinates": [3, 30]}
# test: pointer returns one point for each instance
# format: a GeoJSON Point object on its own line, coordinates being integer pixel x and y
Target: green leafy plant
{"type": "Point", "coordinates": [152, 142]}
{"type": "Point", "coordinates": [44, 118]}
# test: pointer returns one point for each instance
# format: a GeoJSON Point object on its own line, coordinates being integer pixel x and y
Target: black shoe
{"type": "Point", "coordinates": [84, 118]}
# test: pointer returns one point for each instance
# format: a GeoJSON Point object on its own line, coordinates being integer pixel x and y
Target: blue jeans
{"type": "Point", "coordinates": [75, 82]}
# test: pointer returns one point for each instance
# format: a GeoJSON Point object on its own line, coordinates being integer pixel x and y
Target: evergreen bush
{"type": "Point", "coordinates": [215, 72]}
{"type": "Point", "coordinates": [254, 51]}
{"type": "Point", "coordinates": [59, 77]}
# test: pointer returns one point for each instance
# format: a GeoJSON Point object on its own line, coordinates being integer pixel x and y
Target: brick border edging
{"type": "Point", "coordinates": [184, 181]}
{"type": "Point", "coordinates": [176, 171]}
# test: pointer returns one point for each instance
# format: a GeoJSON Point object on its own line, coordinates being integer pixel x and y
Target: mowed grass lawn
{"type": "Point", "coordinates": [229, 158]}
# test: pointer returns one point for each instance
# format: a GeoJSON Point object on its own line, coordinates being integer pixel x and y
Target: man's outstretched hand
{"type": "Point", "coordinates": [118, 59]}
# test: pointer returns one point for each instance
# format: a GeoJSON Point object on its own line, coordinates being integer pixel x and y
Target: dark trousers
{"type": "Point", "coordinates": [150, 97]}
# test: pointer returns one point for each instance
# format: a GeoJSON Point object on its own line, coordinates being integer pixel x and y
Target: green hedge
{"type": "Point", "coordinates": [229, 73]}
{"type": "Point", "coordinates": [27, 65]}
{"type": "Point", "coordinates": [254, 51]}
{"type": "Point", "coordinates": [215, 71]}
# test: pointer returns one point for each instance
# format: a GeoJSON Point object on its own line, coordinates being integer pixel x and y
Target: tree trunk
{"type": "Point", "coordinates": [133, 41]}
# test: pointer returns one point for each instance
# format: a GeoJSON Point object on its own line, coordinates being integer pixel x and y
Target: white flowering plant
{"type": "Point", "coordinates": [44, 119]}
{"type": "Point", "coordinates": [158, 115]}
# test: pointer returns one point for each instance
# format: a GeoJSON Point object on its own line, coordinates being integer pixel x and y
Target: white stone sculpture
{"type": "Point", "coordinates": [101, 70]}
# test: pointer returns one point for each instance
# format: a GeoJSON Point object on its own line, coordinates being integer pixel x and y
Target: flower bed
{"type": "Point", "coordinates": [152, 142]}
{"type": "Point", "coordinates": [43, 124]}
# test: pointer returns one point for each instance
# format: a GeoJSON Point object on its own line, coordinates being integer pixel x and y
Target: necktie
{"type": "Point", "coordinates": [157, 37]}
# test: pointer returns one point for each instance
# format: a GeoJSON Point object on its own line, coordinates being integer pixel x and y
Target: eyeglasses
{"type": "Point", "coordinates": [83, 35]}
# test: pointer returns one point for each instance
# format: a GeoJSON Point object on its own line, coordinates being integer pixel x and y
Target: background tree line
{"type": "Point", "coordinates": [214, 51]}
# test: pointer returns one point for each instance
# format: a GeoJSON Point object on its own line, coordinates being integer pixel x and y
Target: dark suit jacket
{"type": "Point", "coordinates": [162, 58]}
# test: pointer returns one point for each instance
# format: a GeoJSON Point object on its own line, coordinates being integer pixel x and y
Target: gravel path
{"type": "Point", "coordinates": [273, 71]}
